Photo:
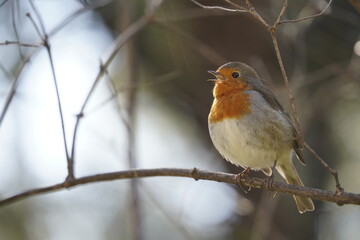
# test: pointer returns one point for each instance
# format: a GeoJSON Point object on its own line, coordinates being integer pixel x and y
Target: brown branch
{"type": "Point", "coordinates": [287, 84]}
{"type": "Point", "coordinates": [13, 88]}
{"type": "Point", "coordinates": [45, 39]}
{"type": "Point", "coordinates": [339, 189]}
{"type": "Point", "coordinates": [19, 44]}
{"type": "Point", "coordinates": [282, 12]}
{"type": "Point", "coordinates": [219, 8]}
{"type": "Point", "coordinates": [255, 14]}
{"type": "Point", "coordinates": [308, 17]}
{"type": "Point", "coordinates": [340, 198]}
{"type": "Point", "coordinates": [236, 5]}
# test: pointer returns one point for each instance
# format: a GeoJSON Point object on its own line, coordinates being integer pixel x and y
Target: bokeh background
{"type": "Point", "coordinates": [150, 110]}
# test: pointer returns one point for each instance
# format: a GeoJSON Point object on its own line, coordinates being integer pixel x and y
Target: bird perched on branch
{"type": "Point", "coordinates": [251, 129]}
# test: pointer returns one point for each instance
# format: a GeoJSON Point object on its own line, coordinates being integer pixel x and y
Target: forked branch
{"type": "Point", "coordinates": [340, 198]}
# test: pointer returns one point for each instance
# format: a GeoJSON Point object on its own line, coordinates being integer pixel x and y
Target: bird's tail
{"type": "Point", "coordinates": [289, 173]}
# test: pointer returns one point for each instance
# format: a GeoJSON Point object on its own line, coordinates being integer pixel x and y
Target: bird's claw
{"type": "Point", "coordinates": [240, 176]}
{"type": "Point", "coordinates": [268, 182]}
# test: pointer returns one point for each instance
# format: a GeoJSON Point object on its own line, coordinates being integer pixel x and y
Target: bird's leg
{"type": "Point", "coordinates": [270, 180]}
{"type": "Point", "coordinates": [242, 175]}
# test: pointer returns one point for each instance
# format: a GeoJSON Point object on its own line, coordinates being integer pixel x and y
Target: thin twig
{"type": "Point", "coordinates": [218, 7]}
{"type": "Point", "coordinates": [12, 90]}
{"type": "Point", "coordinates": [256, 15]}
{"type": "Point", "coordinates": [39, 17]}
{"type": "Point", "coordinates": [45, 40]}
{"type": "Point", "coordinates": [289, 91]}
{"type": "Point", "coordinates": [15, 83]}
{"type": "Point", "coordinates": [253, 182]}
{"type": "Point", "coordinates": [19, 44]}
{"type": "Point", "coordinates": [282, 12]}
{"type": "Point", "coordinates": [308, 17]}
{"type": "Point", "coordinates": [236, 5]}
{"type": "Point", "coordinates": [339, 189]}
{"type": "Point", "coordinates": [35, 25]}
{"type": "Point", "coordinates": [15, 28]}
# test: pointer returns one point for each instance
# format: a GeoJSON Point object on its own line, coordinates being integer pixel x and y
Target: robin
{"type": "Point", "coordinates": [250, 128]}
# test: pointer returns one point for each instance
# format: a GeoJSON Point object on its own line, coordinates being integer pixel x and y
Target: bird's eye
{"type": "Point", "coordinates": [235, 74]}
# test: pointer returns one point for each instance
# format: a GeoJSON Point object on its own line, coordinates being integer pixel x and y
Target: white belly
{"type": "Point", "coordinates": [254, 142]}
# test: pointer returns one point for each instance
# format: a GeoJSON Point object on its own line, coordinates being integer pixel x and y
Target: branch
{"type": "Point", "coordinates": [340, 198]}
{"type": "Point", "coordinates": [19, 44]}
{"type": "Point", "coordinates": [219, 8]}
{"type": "Point", "coordinates": [13, 88]}
{"type": "Point", "coordinates": [308, 17]}
{"type": "Point", "coordinates": [15, 83]}
{"type": "Point", "coordinates": [326, 166]}
{"type": "Point", "coordinates": [44, 37]}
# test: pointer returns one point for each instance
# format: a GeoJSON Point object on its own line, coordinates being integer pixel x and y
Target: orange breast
{"type": "Point", "coordinates": [233, 104]}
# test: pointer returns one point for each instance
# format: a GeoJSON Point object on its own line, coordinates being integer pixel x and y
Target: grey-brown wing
{"type": "Point", "coordinates": [274, 102]}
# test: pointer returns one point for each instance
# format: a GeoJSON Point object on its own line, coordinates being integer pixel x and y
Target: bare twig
{"type": "Point", "coordinates": [282, 12]}
{"type": "Point", "coordinates": [287, 84]}
{"type": "Point", "coordinates": [308, 17]}
{"type": "Point", "coordinates": [19, 44]}
{"type": "Point", "coordinates": [15, 83]}
{"type": "Point", "coordinates": [37, 29]}
{"type": "Point", "coordinates": [339, 189]}
{"type": "Point", "coordinates": [12, 90]}
{"type": "Point", "coordinates": [256, 15]}
{"type": "Point", "coordinates": [219, 8]}
{"type": "Point", "coordinates": [39, 17]}
{"type": "Point", "coordinates": [236, 5]}
{"type": "Point", "coordinates": [253, 182]}
{"type": "Point", "coordinates": [45, 40]}
{"type": "Point", "coordinates": [13, 7]}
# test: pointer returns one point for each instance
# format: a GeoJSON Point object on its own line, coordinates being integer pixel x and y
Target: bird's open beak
{"type": "Point", "coordinates": [218, 76]}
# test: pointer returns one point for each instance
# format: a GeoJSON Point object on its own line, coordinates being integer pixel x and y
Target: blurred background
{"type": "Point", "coordinates": [149, 109]}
